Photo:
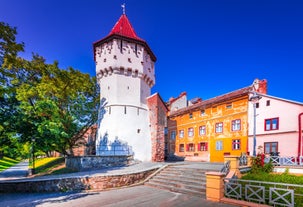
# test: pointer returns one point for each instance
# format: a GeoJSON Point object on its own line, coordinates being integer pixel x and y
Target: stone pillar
{"type": "Point", "coordinates": [214, 186]}
{"type": "Point", "coordinates": [234, 163]}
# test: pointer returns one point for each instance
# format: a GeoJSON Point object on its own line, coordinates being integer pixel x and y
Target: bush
{"type": "Point", "coordinates": [259, 166]}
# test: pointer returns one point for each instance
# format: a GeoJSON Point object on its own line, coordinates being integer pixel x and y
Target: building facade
{"type": "Point", "coordinates": [213, 128]}
{"type": "Point", "coordinates": [278, 126]}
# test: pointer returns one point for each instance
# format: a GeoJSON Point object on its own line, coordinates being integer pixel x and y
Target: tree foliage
{"type": "Point", "coordinates": [52, 105]}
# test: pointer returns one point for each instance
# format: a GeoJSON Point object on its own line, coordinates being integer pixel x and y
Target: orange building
{"type": "Point", "coordinates": [208, 130]}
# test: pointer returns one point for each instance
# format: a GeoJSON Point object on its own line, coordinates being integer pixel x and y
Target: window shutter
{"type": "Point", "coordinates": [206, 146]}
{"type": "Point", "coordinates": [199, 146]}
{"type": "Point", "coordinates": [187, 147]}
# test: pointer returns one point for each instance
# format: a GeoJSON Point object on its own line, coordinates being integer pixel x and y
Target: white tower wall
{"type": "Point", "coordinates": [125, 76]}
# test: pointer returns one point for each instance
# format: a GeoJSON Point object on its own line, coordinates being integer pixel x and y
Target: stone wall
{"type": "Point", "coordinates": [97, 162]}
{"type": "Point", "coordinates": [76, 183]}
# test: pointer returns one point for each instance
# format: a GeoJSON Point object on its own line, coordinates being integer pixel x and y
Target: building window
{"type": "Point", "coordinates": [202, 130]}
{"type": "Point", "coordinates": [271, 124]}
{"type": "Point", "coordinates": [270, 147]}
{"type": "Point", "coordinates": [268, 103]}
{"type": "Point", "coordinates": [203, 146]}
{"type": "Point", "coordinates": [190, 115]}
{"type": "Point", "coordinates": [181, 148]}
{"type": "Point", "coordinates": [181, 133]}
{"type": "Point", "coordinates": [219, 145]}
{"type": "Point", "coordinates": [219, 127]}
{"type": "Point", "coordinates": [191, 132]}
{"type": "Point", "coordinates": [229, 106]}
{"type": "Point", "coordinates": [203, 112]}
{"type": "Point", "coordinates": [236, 125]}
{"type": "Point", "coordinates": [173, 135]}
{"type": "Point", "coordinates": [190, 147]}
{"type": "Point", "coordinates": [257, 105]}
{"type": "Point", "coordinates": [236, 144]}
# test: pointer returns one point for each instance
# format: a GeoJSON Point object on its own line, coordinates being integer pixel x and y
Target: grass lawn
{"type": "Point", "coordinates": [6, 162]}
{"type": "Point", "coordinates": [51, 166]}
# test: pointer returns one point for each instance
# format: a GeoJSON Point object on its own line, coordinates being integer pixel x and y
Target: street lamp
{"type": "Point", "coordinates": [255, 99]}
{"type": "Point", "coordinates": [33, 155]}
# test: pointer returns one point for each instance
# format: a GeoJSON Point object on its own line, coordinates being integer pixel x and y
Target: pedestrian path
{"type": "Point", "coordinates": [19, 171]}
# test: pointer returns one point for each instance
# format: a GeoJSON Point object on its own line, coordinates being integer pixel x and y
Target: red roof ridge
{"type": "Point", "coordinates": [214, 100]}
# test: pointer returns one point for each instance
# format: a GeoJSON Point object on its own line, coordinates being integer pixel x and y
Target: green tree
{"type": "Point", "coordinates": [9, 49]}
{"type": "Point", "coordinates": [54, 106]}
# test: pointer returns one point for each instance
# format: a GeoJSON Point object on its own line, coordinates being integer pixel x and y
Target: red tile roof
{"type": "Point", "coordinates": [203, 104]}
{"type": "Point", "coordinates": [124, 28]}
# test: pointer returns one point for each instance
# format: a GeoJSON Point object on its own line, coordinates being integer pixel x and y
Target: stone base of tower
{"type": "Point", "coordinates": [157, 117]}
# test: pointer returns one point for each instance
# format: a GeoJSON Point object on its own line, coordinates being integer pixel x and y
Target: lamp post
{"type": "Point", "coordinates": [33, 155]}
{"type": "Point", "coordinates": [255, 99]}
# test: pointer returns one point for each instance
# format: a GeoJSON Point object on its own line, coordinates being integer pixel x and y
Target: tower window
{"type": "Point", "coordinates": [268, 103]}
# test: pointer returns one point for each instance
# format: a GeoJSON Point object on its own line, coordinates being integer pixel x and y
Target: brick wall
{"type": "Point", "coordinates": [157, 117]}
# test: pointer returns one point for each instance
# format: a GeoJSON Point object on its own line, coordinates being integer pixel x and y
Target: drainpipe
{"type": "Point", "coordinates": [300, 135]}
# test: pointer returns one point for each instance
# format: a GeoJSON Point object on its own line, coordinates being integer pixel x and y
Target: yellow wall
{"type": "Point", "coordinates": [213, 114]}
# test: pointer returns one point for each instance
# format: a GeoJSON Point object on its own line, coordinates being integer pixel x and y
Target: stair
{"type": "Point", "coordinates": [182, 179]}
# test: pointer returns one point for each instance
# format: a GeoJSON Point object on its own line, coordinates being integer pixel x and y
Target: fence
{"type": "Point", "coordinates": [113, 150]}
{"type": "Point", "coordinates": [289, 160]}
{"type": "Point", "coordinates": [275, 194]}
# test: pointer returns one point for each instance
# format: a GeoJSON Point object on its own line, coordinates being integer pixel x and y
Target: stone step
{"type": "Point", "coordinates": [179, 172]}
{"type": "Point", "coordinates": [176, 189]}
{"type": "Point", "coordinates": [200, 179]}
{"type": "Point", "coordinates": [177, 184]}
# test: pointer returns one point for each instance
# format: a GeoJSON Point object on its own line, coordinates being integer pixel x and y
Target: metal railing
{"type": "Point", "coordinates": [226, 167]}
{"type": "Point", "coordinates": [243, 160]}
{"type": "Point", "coordinates": [287, 160]}
{"type": "Point", "coordinates": [275, 194]}
{"type": "Point", "coordinates": [113, 150]}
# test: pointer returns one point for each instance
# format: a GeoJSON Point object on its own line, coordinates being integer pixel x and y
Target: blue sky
{"type": "Point", "coordinates": [204, 47]}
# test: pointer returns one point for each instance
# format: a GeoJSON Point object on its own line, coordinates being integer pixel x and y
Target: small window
{"type": "Point", "coordinates": [257, 105]}
{"type": "Point", "coordinates": [181, 148]}
{"type": "Point", "coordinates": [270, 147]}
{"type": "Point", "coordinates": [268, 103]}
{"type": "Point", "coordinates": [203, 112]}
{"type": "Point", "coordinates": [190, 147]}
{"type": "Point", "coordinates": [229, 106]}
{"type": "Point", "coordinates": [203, 146]}
{"type": "Point", "coordinates": [219, 145]}
{"type": "Point", "coordinates": [202, 130]}
{"type": "Point", "coordinates": [190, 115]}
{"type": "Point", "coordinates": [271, 124]}
{"type": "Point", "coordinates": [236, 125]}
{"type": "Point", "coordinates": [129, 60]}
{"type": "Point", "coordinates": [181, 133]}
{"type": "Point", "coordinates": [219, 127]}
{"type": "Point", "coordinates": [115, 57]}
{"type": "Point", "coordinates": [236, 144]}
{"type": "Point", "coordinates": [124, 109]}
{"type": "Point", "coordinates": [104, 60]}
{"type": "Point", "coordinates": [191, 132]}
{"type": "Point", "coordinates": [173, 135]}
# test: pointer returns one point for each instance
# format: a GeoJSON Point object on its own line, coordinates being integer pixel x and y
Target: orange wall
{"type": "Point", "coordinates": [215, 114]}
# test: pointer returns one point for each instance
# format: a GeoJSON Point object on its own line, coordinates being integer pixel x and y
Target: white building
{"type": "Point", "coordinates": [125, 73]}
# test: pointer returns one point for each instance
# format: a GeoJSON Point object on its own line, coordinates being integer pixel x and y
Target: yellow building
{"type": "Point", "coordinates": [210, 129]}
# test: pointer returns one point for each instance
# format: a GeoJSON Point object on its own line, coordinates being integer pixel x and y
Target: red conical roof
{"type": "Point", "coordinates": [124, 28]}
